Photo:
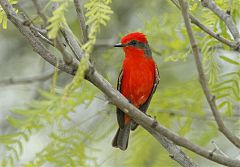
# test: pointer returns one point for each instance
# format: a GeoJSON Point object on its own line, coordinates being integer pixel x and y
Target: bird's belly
{"type": "Point", "coordinates": [137, 85]}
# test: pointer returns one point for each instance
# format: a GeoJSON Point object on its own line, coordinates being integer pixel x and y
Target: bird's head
{"type": "Point", "coordinates": [135, 43]}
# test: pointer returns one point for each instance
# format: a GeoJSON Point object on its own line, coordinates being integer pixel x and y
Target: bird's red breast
{"type": "Point", "coordinates": [138, 79]}
{"type": "Point", "coordinates": [139, 71]}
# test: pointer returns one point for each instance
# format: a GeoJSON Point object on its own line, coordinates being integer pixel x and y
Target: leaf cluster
{"type": "Point", "coordinates": [3, 16]}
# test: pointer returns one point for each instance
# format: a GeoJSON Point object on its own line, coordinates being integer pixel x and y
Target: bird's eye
{"type": "Point", "coordinates": [133, 42]}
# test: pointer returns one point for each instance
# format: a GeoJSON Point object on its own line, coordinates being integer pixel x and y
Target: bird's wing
{"type": "Point", "coordinates": [120, 113]}
{"type": "Point", "coordinates": [145, 105]}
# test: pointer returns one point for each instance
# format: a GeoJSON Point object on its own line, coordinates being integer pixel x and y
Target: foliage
{"type": "Point", "coordinates": [51, 111]}
{"type": "Point", "coordinates": [66, 147]}
{"type": "Point", "coordinates": [178, 104]}
{"type": "Point", "coordinates": [58, 17]}
{"type": "Point", "coordinates": [3, 16]}
{"type": "Point", "coordinates": [173, 47]}
{"type": "Point", "coordinates": [224, 85]}
{"type": "Point", "coordinates": [154, 154]}
{"type": "Point", "coordinates": [97, 14]}
{"type": "Point", "coordinates": [54, 108]}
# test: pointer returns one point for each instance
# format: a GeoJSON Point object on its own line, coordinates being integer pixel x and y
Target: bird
{"type": "Point", "coordinates": [137, 82]}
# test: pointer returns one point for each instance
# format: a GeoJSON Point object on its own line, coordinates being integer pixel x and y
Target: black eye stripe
{"type": "Point", "coordinates": [141, 45]}
{"type": "Point", "coordinates": [136, 44]}
{"type": "Point", "coordinates": [133, 42]}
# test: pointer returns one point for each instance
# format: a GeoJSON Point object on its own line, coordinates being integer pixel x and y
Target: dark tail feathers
{"type": "Point", "coordinates": [120, 140]}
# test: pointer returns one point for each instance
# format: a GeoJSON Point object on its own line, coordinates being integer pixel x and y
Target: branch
{"type": "Point", "coordinates": [224, 17]}
{"type": "Point", "coordinates": [150, 124]}
{"type": "Point", "coordinates": [34, 41]}
{"type": "Point", "coordinates": [72, 42]}
{"type": "Point", "coordinates": [26, 80]}
{"type": "Point", "coordinates": [67, 58]}
{"type": "Point", "coordinates": [175, 153]}
{"type": "Point", "coordinates": [198, 23]}
{"type": "Point", "coordinates": [81, 18]}
{"type": "Point", "coordinates": [218, 149]}
{"type": "Point", "coordinates": [210, 98]}
{"type": "Point", "coordinates": [39, 11]}
{"type": "Point", "coordinates": [179, 156]}
{"type": "Point", "coordinates": [157, 130]}
{"type": "Point", "coordinates": [230, 7]}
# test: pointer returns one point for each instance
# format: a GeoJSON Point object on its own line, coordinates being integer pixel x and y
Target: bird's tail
{"type": "Point", "coordinates": [120, 140]}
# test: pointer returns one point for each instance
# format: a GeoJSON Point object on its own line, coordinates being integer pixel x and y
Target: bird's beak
{"type": "Point", "coordinates": [119, 45]}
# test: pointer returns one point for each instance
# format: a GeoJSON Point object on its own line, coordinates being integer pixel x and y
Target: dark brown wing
{"type": "Point", "coordinates": [144, 107]}
{"type": "Point", "coordinates": [120, 113]}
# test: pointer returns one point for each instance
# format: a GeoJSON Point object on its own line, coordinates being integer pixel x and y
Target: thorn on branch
{"type": "Point", "coordinates": [194, 46]}
{"type": "Point", "coordinates": [211, 153]}
{"type": "Point", "coordinates": [171, 156]}
{"type": "Point", "coordinates": [90, 71]}
{"type": "Point", "coordinates": [151, 116]}
{"type": "Point", "coordinates": [74, 70]}
{"type": "Point", "coordinates": [8, 16]}
{"type": "Point", "coordinates": [237, 46]}
{"type": "Point", "coordinates": [218, 149]}
{"type": "Point", "coordinates": [213, 98]}
{"type": "Point", "coordinates": [154, 123]}
{"type": "Point", "coordinates": [26, 23]}
{"type": "Point", "coordinates": [204, 4]}
{"type": "Point", "coordinates": [228, 12]}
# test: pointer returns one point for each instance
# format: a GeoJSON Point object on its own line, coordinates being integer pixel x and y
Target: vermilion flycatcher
{"type": "Point", "coordinates": [137, 81]}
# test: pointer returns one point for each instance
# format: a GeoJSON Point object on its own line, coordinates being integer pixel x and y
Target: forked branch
{"type": "Point", "coordinates": [210, 98]}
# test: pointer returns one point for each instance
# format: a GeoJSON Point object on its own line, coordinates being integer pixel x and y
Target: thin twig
{"type": "Point", "coordinates": [210, 98]}
{"type": "Point", "coordinates": [42, 34]}
{"type": "Point", "coordinates": [156, 51]}
{"type": "Point", "coordinates": [218, 149]}
{"type": "Point", "coordinates": [67, 58]}
{"type": "Point", "coordinates": [26, 80]}
{"type": "Point", "coordinates": [117, 99]}
{"type": "Point", "coordinates": [39, 11]}
{"type": "Point", "coordinates": [180, 157]}
{"type": "Point", "coordinates": [227, 18]}
{"type": "Point", "coordinates": [34, 41]}
{"type": "Point", "coordinates": [81, 18]}
{"type": "Point", "coordinates": [72, 42]}
{"type": "Point", "coordinates": [198, 23]}
{"type": "Point", "coordinates": [42, 37]}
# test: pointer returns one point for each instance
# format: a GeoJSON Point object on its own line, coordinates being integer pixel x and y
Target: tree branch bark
{"type": "Point", "coordinates": [224, 16]}
{"type": "Point", "coordinates": [81, 19]}
{"type": "Point", "coordinates": [210, 98]}
{"type": "Point", "coordinates": [198, 23]}
{"type": "Point", "coordinates": [72, 43]}
{"type": "Point", "coordinates": [34, 41]}
{"type": "Point", "coordinates": [151, 125]}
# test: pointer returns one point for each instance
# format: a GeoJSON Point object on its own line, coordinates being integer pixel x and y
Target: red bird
{"type": "Point", "coordinates": [137, 81]}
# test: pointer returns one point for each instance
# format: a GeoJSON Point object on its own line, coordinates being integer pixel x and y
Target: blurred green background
{"type": "Point", "coordinates": [178, 103]}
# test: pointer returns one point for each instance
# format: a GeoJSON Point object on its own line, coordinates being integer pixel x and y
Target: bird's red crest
{"type": "Point", "coordinates": [140, 37]}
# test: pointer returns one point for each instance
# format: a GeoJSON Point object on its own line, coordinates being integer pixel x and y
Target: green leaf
{"type": "Point", "coordinates": [186, 127]}
{"type": "Point", "coordinates": [229, 60]}
{"type": "Point", "coordinates": [57, 19]}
